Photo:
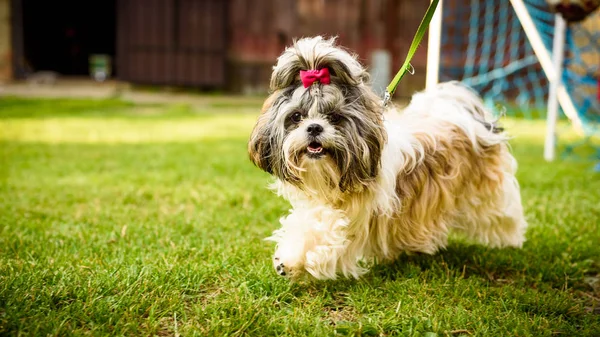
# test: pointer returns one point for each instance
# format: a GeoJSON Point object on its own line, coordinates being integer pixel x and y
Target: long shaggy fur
{"type": "Point", "coordinates": [374, 182]}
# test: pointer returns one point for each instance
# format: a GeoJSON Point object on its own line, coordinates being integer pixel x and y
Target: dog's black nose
{"type": "Point", "coordinates": [314, 129]}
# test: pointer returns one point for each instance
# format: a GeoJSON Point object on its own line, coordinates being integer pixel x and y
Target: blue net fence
{"type": "Point", "coordinates": [484, 45]}
{"type": "Point", "coordinates": [582, 70]}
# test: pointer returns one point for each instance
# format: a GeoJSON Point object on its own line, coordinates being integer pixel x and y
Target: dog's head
{"type": "Point", "coordinates": [321, 128]}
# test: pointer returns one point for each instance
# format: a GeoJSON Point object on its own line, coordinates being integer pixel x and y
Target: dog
{"type": "Point", "coordinates": [367, 182]}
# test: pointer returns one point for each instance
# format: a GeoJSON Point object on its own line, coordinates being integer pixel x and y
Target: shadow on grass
{"type": "Point", "coordinates": [546, 265]}
{"type": "Point", "coordinates": [521, 268]}
{"type": "Point", "coordinates": [521, 280]}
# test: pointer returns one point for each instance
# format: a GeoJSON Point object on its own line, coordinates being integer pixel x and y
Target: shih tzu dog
{"type": "Point", "coordinates": [367, 182]}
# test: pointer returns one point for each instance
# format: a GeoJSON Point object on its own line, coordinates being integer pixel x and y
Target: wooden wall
{"type": "Point", "coordinates": [5, 42]}
{"type": "Point", "coordinates": [234, 43]}
{"type": "Point", "coordinates": [259, 31]}
{"type": "Point", "coordinates": [172, 42]}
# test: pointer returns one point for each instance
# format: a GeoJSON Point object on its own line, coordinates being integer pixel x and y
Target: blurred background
{"type": "Point", "coordinates": [230, 46]}
{"type": "Point", "coordinates": [203, 44]}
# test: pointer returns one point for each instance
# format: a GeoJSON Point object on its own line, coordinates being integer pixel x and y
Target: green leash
{"type": "Point", "coordinates": [391, 88]}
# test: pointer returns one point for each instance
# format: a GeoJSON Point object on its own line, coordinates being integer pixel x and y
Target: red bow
{"type": "Point", "coordinates": [308, 77]}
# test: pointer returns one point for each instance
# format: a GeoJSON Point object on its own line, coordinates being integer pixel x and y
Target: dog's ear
{"type": "Point", "coordinates": [365, 136]}
{"type": "Point", "coordinates": [260, 147]}
{"type": "Point", "coordinates": [359, 171]}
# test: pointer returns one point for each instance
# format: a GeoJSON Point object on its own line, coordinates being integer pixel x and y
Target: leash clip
{"type": "Point", "coordinates": [386, 98]}
{"type": "Point", "coordinates": [407, 67]}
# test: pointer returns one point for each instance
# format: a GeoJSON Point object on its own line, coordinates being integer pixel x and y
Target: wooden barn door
{"type": "Point", "coordinates": [172, 42]}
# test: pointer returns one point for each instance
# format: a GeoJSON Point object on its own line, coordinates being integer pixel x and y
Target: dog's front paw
{"type": "Point", "coordinates": [288, 266]}
{"type": "Point", "coordinates": [280, 268]}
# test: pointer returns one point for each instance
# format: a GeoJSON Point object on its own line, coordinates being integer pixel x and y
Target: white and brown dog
{"type": "Point", "coordinates": [366, 182]}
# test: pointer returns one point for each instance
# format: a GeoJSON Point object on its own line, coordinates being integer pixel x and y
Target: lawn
{"type": "Point", "coordinates": [137, 220]}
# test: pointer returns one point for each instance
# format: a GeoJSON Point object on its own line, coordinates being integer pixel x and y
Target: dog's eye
{"type": "Point", "coordinates": [296, 117]}
{"type": "Point", "coordinates": [335, 117]}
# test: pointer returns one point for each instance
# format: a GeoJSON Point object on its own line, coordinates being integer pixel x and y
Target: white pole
{"type": "Point", "coordinates": [558, 50]}
{"type": "Point", "coordinates": [544, 57]}
{"type": "Point", "coordinates": [433, 47]}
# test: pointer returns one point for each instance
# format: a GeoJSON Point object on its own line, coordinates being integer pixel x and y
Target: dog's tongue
{"type": "Point", "coordinates": [314, 148]}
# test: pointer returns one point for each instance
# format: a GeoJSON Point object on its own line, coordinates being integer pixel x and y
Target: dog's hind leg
{"type": "Point", "coordinates": [508, 229]}
{"type": "Point", "coordinates": [496, 220]}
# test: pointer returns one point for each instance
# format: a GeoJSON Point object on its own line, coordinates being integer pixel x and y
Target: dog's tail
{"type": "Point", "coordinates": [446, 96]}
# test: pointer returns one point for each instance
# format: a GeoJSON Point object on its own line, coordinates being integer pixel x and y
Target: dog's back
{"type": "Point", "coordinates": [458, 171]}
{"type": "Point", "coordinates": [454, 97]}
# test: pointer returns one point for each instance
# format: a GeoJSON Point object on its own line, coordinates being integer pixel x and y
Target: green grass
{"type": "Point", "coordinates": [118, 219]}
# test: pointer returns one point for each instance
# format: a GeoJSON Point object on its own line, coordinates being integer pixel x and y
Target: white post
{"type": "Point", "coordinates": [545, 60]}
{"type": "Point", "coordinates": [433, 47]}
{"type": "Point", "coordinates": [558, 47]}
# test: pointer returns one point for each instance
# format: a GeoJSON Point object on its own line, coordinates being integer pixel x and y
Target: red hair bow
{"type": "Point", "coordinates": [309, 77]}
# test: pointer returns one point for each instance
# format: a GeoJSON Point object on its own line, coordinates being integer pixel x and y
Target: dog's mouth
{"type": "Point", "coordinates": [315, 149]}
